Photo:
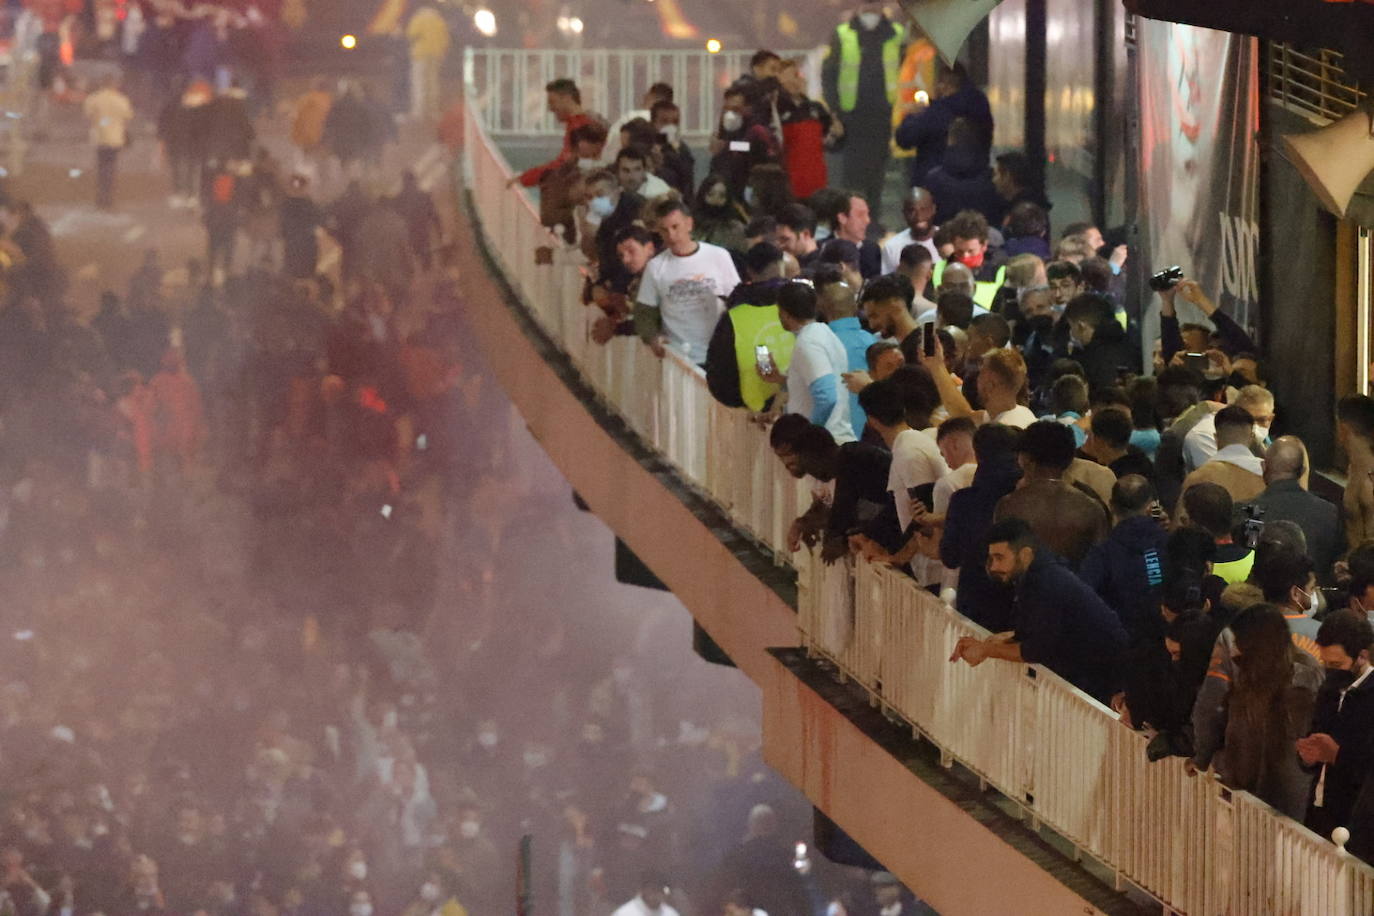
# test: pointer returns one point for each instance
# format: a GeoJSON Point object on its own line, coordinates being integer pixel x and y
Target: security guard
{"type": "Point", "coordinates": [861, 78]}
{"type": "Point", "coordinates": [751, 322]}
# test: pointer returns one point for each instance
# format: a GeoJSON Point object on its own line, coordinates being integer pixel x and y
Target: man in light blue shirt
{"type": "Point", "coordinates": [839, 310]}
{"type": "Point", "coordinates": [814, 387]}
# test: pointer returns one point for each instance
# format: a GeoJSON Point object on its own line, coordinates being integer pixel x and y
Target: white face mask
{"type": "Point", "coordinates": [469, 829]}
{"type": "Point", "coordinates": [360, 909]}
{"type": "Point", "coordinates": [731, 121]}
{"type": "Point", "coordinates": [1262, 433]}
{"type": "Point", "coordinates": [669, 132]}
{"type": "Point", "coordinates": [587, 165]}
{"type": "Point", "coordinates": [429, 892]}
{"type": "Point", "coordinates": [750, 198]}
{"type": "Point", "coordinates": [870, 20]}
{"type": "Point", "coordinates": [1311, 600]}
{"type": "Point", "coordinates": [357, 871]}
{"type": "Point", "coordinates": [489, 739]}
{"type": "Point", "coordinates": [600, 207]}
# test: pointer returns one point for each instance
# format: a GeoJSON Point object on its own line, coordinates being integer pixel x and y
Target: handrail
{"type": "Point", "coordinates": [1189, 842]}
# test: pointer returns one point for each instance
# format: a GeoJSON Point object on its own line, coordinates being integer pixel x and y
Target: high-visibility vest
{"type": "Point", "coordinates": [1235, 571]}
{"type": "Point", "coordinates": [758, 326]}
{"type": "Point", "coordinates": [984, 291]}
{"type": "Point", "coordinates": [847, 71]}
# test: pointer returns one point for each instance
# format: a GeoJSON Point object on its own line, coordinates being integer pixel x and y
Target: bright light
{"type": "Point", "coordinates": [349, 42]}
{"type": "Point", "coordinates": [485, 21]}
{"type": "Point", "coordinates": [576, 25]}
{"type": "Point", "coordinates": [713, 46]}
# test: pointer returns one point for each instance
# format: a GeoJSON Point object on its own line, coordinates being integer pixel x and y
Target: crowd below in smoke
{"type": "Point", "coordinates": [261, 525]}
{"type": "Point", "coordinates": [968, 400]}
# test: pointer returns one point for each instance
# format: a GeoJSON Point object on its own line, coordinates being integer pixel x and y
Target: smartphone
{"type": "Point", "coordinates": [763, 360]}
{"type": "Point", "coordinates": [1196, 361]}
{"type": "Point", "coordinates": [928, 339]}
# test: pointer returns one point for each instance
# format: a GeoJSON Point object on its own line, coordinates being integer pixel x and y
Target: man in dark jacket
{"type": "Point", "coordinates": [1060, 622]}
{"type": "Point", "coordinates": [1284, 499]}
{"type": "Point", "coordinates": [927, 130]}
{"type": "Point", "coordinates": [1068, 519]}
{"type": "Point", "coordinates": [963, 181]}
{"type": "Point", "coordinates": [762, 867]}
{"type": "Point", "coordinates": [753, 310]}
{"type": "Point", "coordinates": [1341, 744]}
{"type": "Point", "coordinates": [963, 545]}
{"type": "Point", "coordinates": [1099, 341]}
{"type": "Point", "coordinates": [862, 504]}
{"type": "Point", "coordinates": [1127, 569]}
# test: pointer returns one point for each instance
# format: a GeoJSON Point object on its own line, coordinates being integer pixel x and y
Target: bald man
{"type": "Point", "coordinates": [956, 279]}
{"type": "Point", "coordinates": [1286, 499]}
{"type": "Point", "coordinates": [918, 210]}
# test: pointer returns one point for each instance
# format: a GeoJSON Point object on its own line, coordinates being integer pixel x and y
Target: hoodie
{"type": "Point", "coordinates": [963, 181]}
{"type": "Point", "coordinates": [1107, 353]}
{"type": "Point", "coordinates": [1126, 570]}
{"type": "Point", "coordinates": [962, 546]}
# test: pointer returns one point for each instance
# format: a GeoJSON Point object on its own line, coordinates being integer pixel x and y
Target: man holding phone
{"type": "Point", "coordinates": [814, 388]}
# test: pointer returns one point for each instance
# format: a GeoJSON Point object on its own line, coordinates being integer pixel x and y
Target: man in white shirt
{"type": "Point", "coordinates": [109, 113]}
{"type": "Point", "coordinates": [955, 440]}
{"type": "Point", "coordinates": [651, 899]}
{"type": "Point", "coordinates": [1000, 380]}
{"type": "Point", "coordinates": [814, 387]}
{"type": "Point", "coordinates": [682, 291]}
{"type": "Point", "coordinates": [632, 171]}
{"type": "Point", "coordinates": [1200, 445]}
{"type": "Point", "coordinates": [919, 212]}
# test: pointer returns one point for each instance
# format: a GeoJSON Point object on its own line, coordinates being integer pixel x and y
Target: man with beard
{"type": "Point", "coordinates": [1059, 622]}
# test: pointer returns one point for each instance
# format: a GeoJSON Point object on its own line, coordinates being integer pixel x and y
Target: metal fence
{"type": "Point", "coordinates": [508, 84]}
{"type": "Point", "coordinates": [1064, 758]}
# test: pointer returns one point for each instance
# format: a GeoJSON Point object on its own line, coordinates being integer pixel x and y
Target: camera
{"type": "Point", "coordinates": [1166, 279]}
{"type": "Point", "coordinates": [1253, 526]}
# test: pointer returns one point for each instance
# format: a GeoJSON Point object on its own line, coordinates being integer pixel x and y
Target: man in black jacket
{"type": "Point", "coordinates": [1341, 744]}
{"type": "Point", "coordinates": [963, 545]}
{"type": "Point", "coordinates": [862, 504]}
{"type": "Point", "coordinates": [1284, 499]}
{"type": "Point", "coordinates": [1060, 622]}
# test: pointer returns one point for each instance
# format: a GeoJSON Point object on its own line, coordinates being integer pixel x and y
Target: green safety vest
{"type": "Point", "coordinates": [847, 74]}
{"type": "Point", "coordinates": [984, 291]}
{"type": "Point", "coordinates": [758, 326]}
{"type": "Point", "coordinates": [1236, 570]}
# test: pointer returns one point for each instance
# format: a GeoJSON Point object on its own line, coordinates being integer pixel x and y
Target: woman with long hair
{"type": "Point", "coordinates": [1269, 708]}
{"type": "Point", "coordinates": [717, 216]}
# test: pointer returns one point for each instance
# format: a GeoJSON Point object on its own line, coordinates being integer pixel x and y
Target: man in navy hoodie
{"type": "Point", "coordinates": [963, 545]}
{"type": "Point", "coordinates": [1126, 570]}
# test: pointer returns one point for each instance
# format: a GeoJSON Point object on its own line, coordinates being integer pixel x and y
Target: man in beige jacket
{"type": "Point", "coordinates": [1234, 466]}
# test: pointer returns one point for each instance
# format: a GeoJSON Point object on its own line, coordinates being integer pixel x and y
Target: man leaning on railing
{"type": "Point", "coordinates": [1060, 622]}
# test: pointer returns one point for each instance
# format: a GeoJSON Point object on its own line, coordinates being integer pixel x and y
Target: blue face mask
{"type": "Point", "coordinates": [750, 198]}
{"type": "Point", "coordinates": [601, 206]}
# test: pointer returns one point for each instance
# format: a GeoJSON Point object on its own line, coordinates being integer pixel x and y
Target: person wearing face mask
{"type": "Point", "coordinates": [477, 857]}
{"type": "Point", "coordinates": [437, 896]}
{"type": "Point", "coordinates": [609, 211]}
{"type": "Point", "coordinates": [718, 217]}
{"type": "Point", "coordinates": [1097, 342]}
{"type": "Point", "coordinates": [861, 78]}
{"type": "Point", "coordinates": [968, 231]}
{"type": "Point", "coordinates": [1341, 742]}
{"type": "Point", "coordinates": [1286, 581]}
{"type": "Point", "coordinates": [656, 94]}
{"type": "Point", "coordinates": [741, 142]}
{"type": "Point", "coordinates": [679, 165]}
{"type": "Point", "coordinates": [360, 904]}
{"type": "Point", "coordinates": [1234, 466]}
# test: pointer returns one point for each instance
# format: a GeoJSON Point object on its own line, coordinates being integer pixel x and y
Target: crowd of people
{"type": "Point", "coordinates": [264, 533]}
{"type": "Point", "coordinates": [968, 399]}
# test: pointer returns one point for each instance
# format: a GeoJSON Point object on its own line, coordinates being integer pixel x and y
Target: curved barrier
{"type": "Point", "coordinates": [1192, 844]}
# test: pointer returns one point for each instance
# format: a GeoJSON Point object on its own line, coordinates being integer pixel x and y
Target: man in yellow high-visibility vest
{"type": "Point", "coordinates": [861, 77]}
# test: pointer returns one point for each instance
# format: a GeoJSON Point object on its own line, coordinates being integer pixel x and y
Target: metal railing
{"type": "Point", "coordinates": [1313, 84]}
{"type": "Point", "coordinates": [1192, 844]}
{"type": "Point", "coordinates": [509, 84]}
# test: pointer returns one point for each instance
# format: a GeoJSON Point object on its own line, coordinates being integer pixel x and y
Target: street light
{"type": "Point", "coordinates": [485, 22]}
{"type": "Point", "coordinates": [348, 42]}
{"type": "Point", "coordinates": [713, 46]}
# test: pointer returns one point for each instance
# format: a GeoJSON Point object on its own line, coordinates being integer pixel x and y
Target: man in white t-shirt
{"type": "Point", "coordinates": [1200, 445]}
{"type": "Point", "coordinates": [652, 899]}
{"type": "Point", "coordinates": [682, 291]}
{"type": "Point", "coordinates": [955, 440]}
{"type": "Point", "coordinates": [919, 212]}
{"type": "Point", "coordinates": [814, 387]}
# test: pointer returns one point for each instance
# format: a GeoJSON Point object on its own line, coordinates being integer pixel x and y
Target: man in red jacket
{"type": "Point", "coordinates": [565, 103]}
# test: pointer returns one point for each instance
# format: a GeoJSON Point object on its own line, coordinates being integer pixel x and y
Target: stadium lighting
{"type": "Point", "coordinates": [485, 21]}
{"type": "Point", "coordinates": [713, 46]}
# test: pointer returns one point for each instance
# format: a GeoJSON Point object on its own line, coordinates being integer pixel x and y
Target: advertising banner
{"type": "Point", "coordinates": [1199, 159]}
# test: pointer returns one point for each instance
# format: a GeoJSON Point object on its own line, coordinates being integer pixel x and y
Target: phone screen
{"type": "Point", "coordinates": [928, 339]}
{"type": "Point", "coordinates": [1196, 361]}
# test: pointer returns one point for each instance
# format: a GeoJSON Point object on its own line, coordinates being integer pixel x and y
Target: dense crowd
{"type": "Point", "coordinates": [264, 528]}
{"type": "Point", "coordinates": [968, 400]}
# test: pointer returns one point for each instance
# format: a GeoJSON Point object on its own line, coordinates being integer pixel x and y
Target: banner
{"type": "Point", "coordinates": [1199, 161]}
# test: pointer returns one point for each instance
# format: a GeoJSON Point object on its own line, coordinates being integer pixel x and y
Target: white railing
{"type": "Point", "coordinates": [509, 84]}
{"type": "Point", "coordinates": [1063, 757]}
{"type": "Point", "coordinates": [664, 400]}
